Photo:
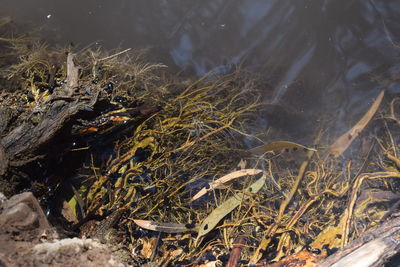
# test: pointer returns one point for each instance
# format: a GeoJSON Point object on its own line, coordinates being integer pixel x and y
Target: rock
{"type": "Point", "coordinates": [27, 239]}
{"type": "Point", "coordinates": [23, 212]}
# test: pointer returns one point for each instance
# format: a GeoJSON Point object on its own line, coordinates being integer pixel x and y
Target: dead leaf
{"type": "Point", "coordinates": [278, 145]}
{"type": "Point", "coordinates": [242, 164]}
{"type": "Point", "coordinates": [209, 264]}
{"type": "Point", "coordinates": [148, 247]}
{"type": "Point", "coordinates": [303, 258]}
{"type": "Point", "coordinates": [164, 227]}
{"type": "Point", "coordinates": [229, 205]}
{"type": "Point", "coordinates": [344, 141]}
{"type": "Point", "coordinates": [219, 183]}
{"type": "Point", "coordinates": [68, 213]}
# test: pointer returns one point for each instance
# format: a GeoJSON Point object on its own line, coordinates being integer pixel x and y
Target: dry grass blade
{"type": "Point", "coordinates": [219, 183]}
{"type": "Point", "coordinates": [344, 141]}
{"type": "Point", "coordinates": [164, 227]}
{"type": "Point", "coordinates": [278, 145]}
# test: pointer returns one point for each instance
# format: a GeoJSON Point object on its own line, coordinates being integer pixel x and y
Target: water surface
{"type": "Point", "coordinates": [318, 56]}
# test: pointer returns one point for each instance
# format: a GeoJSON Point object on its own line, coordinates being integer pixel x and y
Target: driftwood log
{"type": "Point", "coordinates": [372, 249]}
{"type": "Point", "coordinates": [22, 144]}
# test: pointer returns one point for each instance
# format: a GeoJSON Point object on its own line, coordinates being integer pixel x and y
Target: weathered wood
{"type": "Point", "coordinates": [373, 248]}
{"type": "Point", "coordinates": [72, 75]}
{"type": "Point", "coordinates": [27, 138]}
{"type": "Point", "coordinates": [3, 160]}
{"type": "Point", "coordinates": [21, 145]}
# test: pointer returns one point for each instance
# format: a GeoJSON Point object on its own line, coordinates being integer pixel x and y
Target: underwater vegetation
{"type": "Point", "coordinates": [158, 166]}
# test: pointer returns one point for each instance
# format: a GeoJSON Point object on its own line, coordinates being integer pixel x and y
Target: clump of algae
{"type": "Point", "coordinates": [195, 136]}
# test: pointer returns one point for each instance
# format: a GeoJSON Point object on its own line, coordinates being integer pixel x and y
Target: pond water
{"type": "Point", "coordinates": [319, 56]}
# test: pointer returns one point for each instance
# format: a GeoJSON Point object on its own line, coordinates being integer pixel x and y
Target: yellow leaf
{"type": "Point", "coordinates": [45, 95]}
{"type": "Point", "coordinates": [35, 92]}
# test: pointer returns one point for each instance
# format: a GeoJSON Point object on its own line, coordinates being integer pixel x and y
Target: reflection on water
{"type": "Point", "coordinates": [320, 55]}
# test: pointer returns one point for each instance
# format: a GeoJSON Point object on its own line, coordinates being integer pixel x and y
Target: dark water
{"type": "Point", "coordinates": [320, 56]}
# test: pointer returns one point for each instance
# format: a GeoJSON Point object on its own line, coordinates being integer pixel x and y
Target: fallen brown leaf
{"type": "Point", "coordinates": [344, 141]}
{"type": "Point", "coordinates": [219, 183]}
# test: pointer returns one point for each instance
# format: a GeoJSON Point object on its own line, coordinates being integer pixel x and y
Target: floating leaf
{"type": "Point", "coordinates": [219, 183]}
{"type": "Point", "coordinates": [229, 205]}
{"type": "Point", "coordinates": [165, 227]}
{"type": "Point", "coordinates": [278, 145]}
{"type": "Point", "coordinates": [344, 141]}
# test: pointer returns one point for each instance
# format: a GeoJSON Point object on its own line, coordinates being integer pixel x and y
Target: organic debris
{"type": "Point", "coordinates": [220, 182]}
{"type": "Point", "coordinates": [225, 208]}
{"type": "Point", "coordinates": [165, 227]}
{"type": "Point", "coordinates": [343, 142]}
{"type": "Point", "coordinates": [277, 146]}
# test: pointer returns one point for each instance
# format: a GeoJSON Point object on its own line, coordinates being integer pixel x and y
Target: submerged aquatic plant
{"type": "Point", "coordinates": [193, 137]}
